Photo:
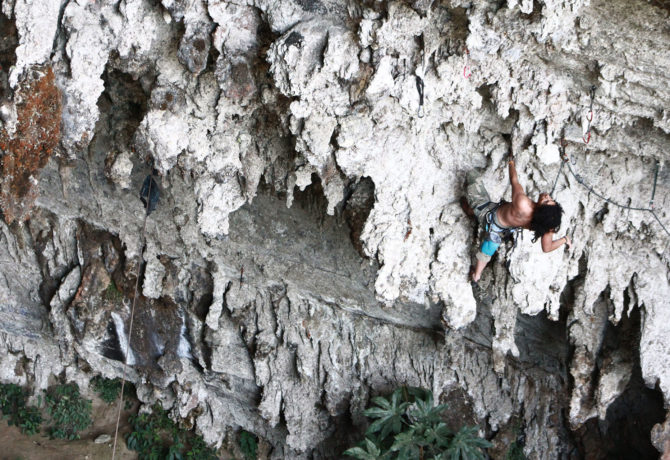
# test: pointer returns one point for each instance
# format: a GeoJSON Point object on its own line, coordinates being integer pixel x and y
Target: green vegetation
{"type": "Point", "coordinates": [515, 449]}
{"type": "Point", "coordinates": [515, 452]}
{"type": "Point", "coordinates": [112, 293]}
{"type": "Point", "coordinates": [408, 426]}
{"type": "Point", "coordinates": [13, 405]}
{"type": "Point", "coordinates": [156, 436]}
{"type": "Point", "coordinates": [248, 445]}
{"type": "Point", "coordinates": [70, 413]}
{"type": "Point", "coordinates": [109, 389]}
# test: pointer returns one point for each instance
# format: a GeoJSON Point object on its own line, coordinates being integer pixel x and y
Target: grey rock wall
{"type": "Point", "coordinates": [308, 250]}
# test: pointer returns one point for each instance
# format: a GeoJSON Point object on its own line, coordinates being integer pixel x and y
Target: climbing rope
{"type": "Point", "coordinates": [132, 310]}
{"type": "Point", "coordinates": [587, 137]}
{"type": "Point", "coordinates": [580, 180]}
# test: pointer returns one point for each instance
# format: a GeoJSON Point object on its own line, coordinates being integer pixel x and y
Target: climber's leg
{"type": "Point", "coordinates": [477, 197]}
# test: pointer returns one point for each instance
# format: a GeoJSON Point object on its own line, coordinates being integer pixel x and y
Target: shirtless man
{"type": "Point", "coordinates": [499, 219]}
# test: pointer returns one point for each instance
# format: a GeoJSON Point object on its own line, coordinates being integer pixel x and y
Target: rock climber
{"type": "Point", "coordinates": [503, 219]}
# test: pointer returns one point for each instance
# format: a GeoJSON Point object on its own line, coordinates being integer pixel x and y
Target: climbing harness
{"type": "Point", "coordinates": [587, 137]}
{"type": "Point", "coordinates": [494, 233]}
{"type": "Point", "coordinates": [149, 195]}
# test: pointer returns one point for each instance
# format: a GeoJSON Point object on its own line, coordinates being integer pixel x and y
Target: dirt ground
{"type": "Point", "coordinates": [17, 446]}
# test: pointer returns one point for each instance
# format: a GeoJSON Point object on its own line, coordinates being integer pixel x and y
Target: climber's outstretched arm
{"type": "Point", "coordinates": [549, 243]}
{"type": "Point", "coordinates": [517, 189]}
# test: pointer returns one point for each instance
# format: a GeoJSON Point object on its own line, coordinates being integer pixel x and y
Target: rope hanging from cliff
{"type": "Point", "coordinates": [580, 180]}
{"type": "Point", "coordinates": [149, 195]}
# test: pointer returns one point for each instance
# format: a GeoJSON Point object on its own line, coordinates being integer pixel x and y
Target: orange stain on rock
{"type": "Point", "coordinates": [28, 149]}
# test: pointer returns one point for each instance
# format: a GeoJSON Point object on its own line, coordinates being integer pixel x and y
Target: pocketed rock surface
{"type": "Point", "coordinates": [308, 250]}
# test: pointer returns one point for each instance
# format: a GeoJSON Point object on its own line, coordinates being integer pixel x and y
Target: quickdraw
{"type": "Point", "coordinates": [587, 137]}
{"type": "Point", "coordinates": [466, 68]}
{"type": "Point", "coordinates": [419, 88]}
{"type": "Point", "coordinates": [565, 159]}
{"type": "Point", "coordinates": [419, 78]}
{"type": "Point", "coordinates": [653, 190]}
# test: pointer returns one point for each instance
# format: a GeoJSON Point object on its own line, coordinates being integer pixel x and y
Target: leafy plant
{"type": "Point", "coordinates": [368, 451]}
{"type": "Point", "coordinates": [13, 405]}
{"type": "Point", "coordinates": [112, 293]}
{"type": "Point", "coordinates": [29, 420]}
{"type": "Point", "coordinates": [408, 425]}
{"type": "Point", "coordinates": [515, 449]}
{"type": "Point", "coordinates": [70, 413]}
{"type": "Point", "coordinates": [515, 452]}
{"type": "Point", "coordinates": [107, 389]}
{"type": "Point", "coordinates": [467, 445]}
{"type": "Point", "coordinates": [248, 445]}
{"type": "Point", "coordinates": [156, 436]}
{"type": "Point", "coordinates": [199, 449]}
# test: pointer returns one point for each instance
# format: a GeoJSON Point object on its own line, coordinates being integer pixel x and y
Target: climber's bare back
{"type": "Point", "coordinates": [518, 213]}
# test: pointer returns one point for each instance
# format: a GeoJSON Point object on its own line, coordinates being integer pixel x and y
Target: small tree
{"type": "Point", "coordinates": [408, 426]}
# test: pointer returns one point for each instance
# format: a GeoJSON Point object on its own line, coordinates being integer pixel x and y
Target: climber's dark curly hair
{"type": "Point", "coordinates": [546, 217]}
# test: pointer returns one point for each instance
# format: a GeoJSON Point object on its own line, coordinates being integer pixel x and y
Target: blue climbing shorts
{"type": "Point", "coordinates": [489, 246]}
{"type": "Point", "coordinates": [480, 202]}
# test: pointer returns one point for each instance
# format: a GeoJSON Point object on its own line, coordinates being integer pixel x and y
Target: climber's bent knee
{"type": "Point", "coordinates": [483, 257]}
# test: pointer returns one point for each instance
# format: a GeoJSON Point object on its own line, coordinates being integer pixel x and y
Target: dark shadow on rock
{"type": "Point", "coordinates": [542, 342]}
{"type": "Point", "coordinates": [357, 208]}
{"type": "Point", "coordinates": [123, 105]}
{"type": "Point", "coordinates": [626, 431]}
{"type": "Point", "coordinates": [111, 347]}
{"type": "Point", "coordinates": [9, 40]}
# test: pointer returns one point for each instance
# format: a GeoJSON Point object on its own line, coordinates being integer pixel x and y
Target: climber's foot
{"type": "Point", "coordinates": [473, 276]}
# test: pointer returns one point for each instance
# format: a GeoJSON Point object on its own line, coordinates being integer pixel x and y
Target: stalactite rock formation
{"type": "Point", "coordinates": [308, 249]}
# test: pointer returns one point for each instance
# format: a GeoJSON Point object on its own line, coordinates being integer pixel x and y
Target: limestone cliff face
{"type": "Point", "coordinates": [308, 249]}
